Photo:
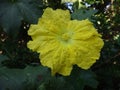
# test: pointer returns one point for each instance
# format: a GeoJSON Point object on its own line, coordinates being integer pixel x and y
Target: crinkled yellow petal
{"type": "Point", "coordinates": [57, 60]}
{"type": "Point", "coordinates": [54, 17]}
{"type": "Point", "coordinates": [58, 14]}
{"type": "Point", "coordinates": [63, 43]}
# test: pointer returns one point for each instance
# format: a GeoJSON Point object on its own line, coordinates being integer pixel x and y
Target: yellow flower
{"type": "Point", "coordinates": [63, 43]}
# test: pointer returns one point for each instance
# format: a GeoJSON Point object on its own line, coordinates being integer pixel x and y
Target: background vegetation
{"type": "Point", "coordinates": [20, 68]}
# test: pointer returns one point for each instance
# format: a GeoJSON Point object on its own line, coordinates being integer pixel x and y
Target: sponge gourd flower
{"type": "Point", "coordinates": [63, 42]}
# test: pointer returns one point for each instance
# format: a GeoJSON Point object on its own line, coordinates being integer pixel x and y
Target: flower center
{"type": "Point", "coordinates": [65, 37]}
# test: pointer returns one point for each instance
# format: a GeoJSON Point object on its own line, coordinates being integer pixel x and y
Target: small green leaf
{"type": "Point", "coordinates": [82, 14]}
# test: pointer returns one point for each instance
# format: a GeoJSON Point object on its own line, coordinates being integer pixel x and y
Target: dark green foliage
{"type": "Point", "coordinates": [13, 12]}
{"type": "Point", "coordinates": [78, 80]}
{"type": "Point", "coordinates": [20, 68]}
{"type": "Point", "coordinates": [2, 58]}
{"type": "Point", "coordinates": [109, 77]}
{"type": "Point", "coordinates": [56, 83]}
{"type": "Point", "coordinates": [18, 55]}
{"type": "Point", "coordinates": [82, 14]}
{"type": "Point", "coordinates": [81, 78]}
{"type": "Point", "coordinates": [22, 79]}
{"type": "Point", "coordinates": [54, 3]}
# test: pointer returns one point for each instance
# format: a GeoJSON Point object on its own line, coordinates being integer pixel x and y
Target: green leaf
{"type": "Point", "coordinates": [12, 12]}
{"type": "Point", "coordinates": [56, 83]}
{"type": "Point", "coordinates": [82, 14]}
{"type": "Point", "coordinates": [81, 78]}
{"type": "Point", "coordinates": [29, 10]}
{"type": "Point", "coordinates": [2, 58]}
{"type": "Point", "coordinates": [22, 79]}
{"type": "Point", "coordinates": [89, 78]}
{"type": "Point", "coordinates": [10, 17]}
